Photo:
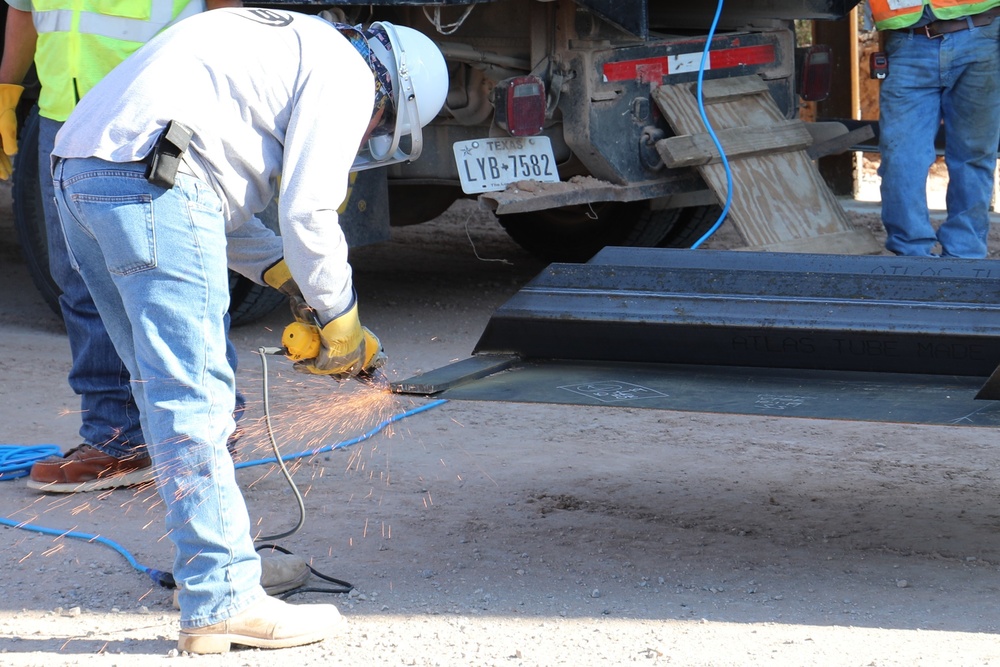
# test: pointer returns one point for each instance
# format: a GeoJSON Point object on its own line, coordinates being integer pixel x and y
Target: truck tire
{"type": "Point", "coordinates": [672, 228]}
{"type": "Point", "coordinates": [571, 233]}
{"type": "Point", "coordinates": [413, 204]}
{"type": "Point", "coordinates": [575, 234]}
{"type": "Point", "coordinates": [249, 301]}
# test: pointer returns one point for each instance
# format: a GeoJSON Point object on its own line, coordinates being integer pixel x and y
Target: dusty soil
{"type": "Point", "coordinates": [502, 534]}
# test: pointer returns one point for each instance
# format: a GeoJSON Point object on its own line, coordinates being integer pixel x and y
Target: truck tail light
{"type": "Point", "coordinates": [816, 67]}
{"type": "Point", "coordinates": [520, 105]}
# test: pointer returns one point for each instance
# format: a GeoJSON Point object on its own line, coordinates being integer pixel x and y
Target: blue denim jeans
{"type": "Point", "coordinates": [110, 418]}
{"type": "Point", "coordinates": [954, 78]}
{"type": "Point", "coordinates": [155, 263]}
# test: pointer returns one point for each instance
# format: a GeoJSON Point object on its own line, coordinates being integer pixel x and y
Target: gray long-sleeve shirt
{"type": "Point", "coordinates": [279, 102]}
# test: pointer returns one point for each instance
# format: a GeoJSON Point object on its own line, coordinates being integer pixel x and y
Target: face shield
{"type": "Point", "coordinates": [419, 83]}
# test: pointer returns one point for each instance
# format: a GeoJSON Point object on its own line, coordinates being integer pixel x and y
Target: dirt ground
{"type": "Point", "coordinates": [522, 534]}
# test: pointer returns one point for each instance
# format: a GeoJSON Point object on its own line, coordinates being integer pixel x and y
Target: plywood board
{"type": "Point", "coordinates": [780, 201]}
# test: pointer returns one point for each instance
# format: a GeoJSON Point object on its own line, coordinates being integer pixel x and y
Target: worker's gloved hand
{"type": "Point", "coordinates": [280, 278]}
{"type": "Point", "coordinates": [9, 96]}
{"type": "Point", "coordinates": [346, 348]}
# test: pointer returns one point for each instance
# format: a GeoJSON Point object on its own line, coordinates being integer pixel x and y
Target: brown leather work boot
{"type": "Point", "coordinates": [85, 468]}
{"type": "Point", "coordinates": [267, 623]}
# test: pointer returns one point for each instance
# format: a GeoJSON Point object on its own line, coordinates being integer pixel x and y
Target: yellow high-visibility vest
{"type": "Point", "coordinates": [895, 14]}
{"type": "Point", "coordinates": [80, 42]}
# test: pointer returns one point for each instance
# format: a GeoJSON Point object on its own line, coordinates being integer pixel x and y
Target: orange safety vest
{"type": "Point", "coordinates": [895, 14]}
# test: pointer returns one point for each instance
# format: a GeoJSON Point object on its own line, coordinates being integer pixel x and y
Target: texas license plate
{"type": "Point", "coordinates": [489, 165]}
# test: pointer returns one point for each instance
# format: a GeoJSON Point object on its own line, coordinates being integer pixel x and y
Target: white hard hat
{"type": "Point", "coordinates": [419, 79]}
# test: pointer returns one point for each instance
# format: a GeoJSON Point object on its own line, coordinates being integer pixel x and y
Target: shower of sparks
{"type": "Point", "coordinates": [54, 549]}
{"type": "Point", "coordinates": [314, 412]}
{"type": "Point", "coordinates": [308, 414]}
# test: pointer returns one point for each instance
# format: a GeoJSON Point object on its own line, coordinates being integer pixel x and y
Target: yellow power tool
{"type": "Point", "coordinates": [301, 341]}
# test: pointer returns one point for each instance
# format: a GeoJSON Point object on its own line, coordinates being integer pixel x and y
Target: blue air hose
{"type": "Point", "coordinates": [16, 461]}
{"type": "Point", "coordinates": [711, 132]}
{"type": "Point", "coordinates": [159, 577]}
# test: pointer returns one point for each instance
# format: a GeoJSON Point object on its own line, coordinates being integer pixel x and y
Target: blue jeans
{"type": "Point", "coordinates": [110, 418]}
{"type": "Point", "coordinates": [954, 78]}
{"type": "Point", "coordinates": [155, 263]}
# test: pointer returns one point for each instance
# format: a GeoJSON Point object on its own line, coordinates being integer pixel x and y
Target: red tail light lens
{"type": "Point", "coordinates": [817, 73]}
{"type": "Point", "coordinates": [520, 105]}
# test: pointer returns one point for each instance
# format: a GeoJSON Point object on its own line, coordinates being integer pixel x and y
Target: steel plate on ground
{"type": "Point", "coordinates": [814, 394]}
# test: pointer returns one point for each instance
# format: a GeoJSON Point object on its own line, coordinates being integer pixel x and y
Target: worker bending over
{"type": "Point", "coordinates": [157, 173]}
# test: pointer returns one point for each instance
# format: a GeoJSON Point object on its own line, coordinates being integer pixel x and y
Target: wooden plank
{"type": "Point", "coordinates": [846, 242]}
{"type": "Point", "coordinates": [696, 149]}
{"type": "Point", "coordinates": [840, 143]}
{"type": "Point", "coordinates": [778, 199]}
{"type": "Point", "coordinates": [527, 196]}
{"type": "Point", "coordinates": [717, 91]}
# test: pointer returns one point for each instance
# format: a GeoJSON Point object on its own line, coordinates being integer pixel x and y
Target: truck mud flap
{"type": "Point", "coordinates": [858, 337]}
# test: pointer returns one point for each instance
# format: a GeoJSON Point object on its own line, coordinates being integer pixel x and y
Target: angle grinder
{"type": "Point", "coordinates": [301, 342]}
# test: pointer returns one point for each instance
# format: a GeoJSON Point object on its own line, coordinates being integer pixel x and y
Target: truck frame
{"type": "Point", "coordinates": [576, 75]}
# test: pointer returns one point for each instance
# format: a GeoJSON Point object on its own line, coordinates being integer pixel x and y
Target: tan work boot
{"type": "Point", "coordinates": [267, 623]}
{"type": "Point", "coordinates": [278, 573]}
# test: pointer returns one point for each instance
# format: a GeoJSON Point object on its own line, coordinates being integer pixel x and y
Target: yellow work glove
{"type": "Point", "coordinates": [345, 347]}
{"type": "Point", "coordinates": [280, 278]}
{"type": "Point", "coordinates": [9, 95]}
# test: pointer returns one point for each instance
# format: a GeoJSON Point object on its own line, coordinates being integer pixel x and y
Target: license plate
{"type": "Point", "coordinates": [489, 165]}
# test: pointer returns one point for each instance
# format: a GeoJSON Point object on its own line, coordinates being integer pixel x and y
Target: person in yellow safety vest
{"type": "Point", "coordinates": [943, 69]}
{"type": "Point", "coordinates": [74, 45]}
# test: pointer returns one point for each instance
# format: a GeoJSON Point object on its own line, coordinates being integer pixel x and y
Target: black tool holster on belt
{"type": "Point", "coordinates": [163, 161]}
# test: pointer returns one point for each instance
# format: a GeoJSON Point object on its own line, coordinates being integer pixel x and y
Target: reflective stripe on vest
{"type": "Point", "coordinates": [77, 48]}
{"type": "Point", "coordinates": [896, 14]}
{"type": "Point", "coordinates": [114, 27]}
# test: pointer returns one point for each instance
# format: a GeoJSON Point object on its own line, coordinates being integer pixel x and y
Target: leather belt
{"type": "Point", "coordinates": [939, 28]}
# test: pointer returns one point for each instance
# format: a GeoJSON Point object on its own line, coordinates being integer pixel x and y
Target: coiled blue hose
{"type": "Point", "coordinates": [16, 461]}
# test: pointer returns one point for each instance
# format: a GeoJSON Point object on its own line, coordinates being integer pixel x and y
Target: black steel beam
{"type": "Point", "coordinates": [779, 310]}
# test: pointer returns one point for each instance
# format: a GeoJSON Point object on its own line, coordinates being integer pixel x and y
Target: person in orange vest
{"type": "Point", "coordinates": [943, 68]}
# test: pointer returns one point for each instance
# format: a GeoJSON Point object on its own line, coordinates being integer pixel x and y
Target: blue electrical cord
{"type": "Point", "coordinates": [16, 461]}
{"type": "Point", "coordinates": [16, 458]}
{"type": "Point", "coordinates": [159, 577]}
{"type": "Point", "coordinates": [711, 132]}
